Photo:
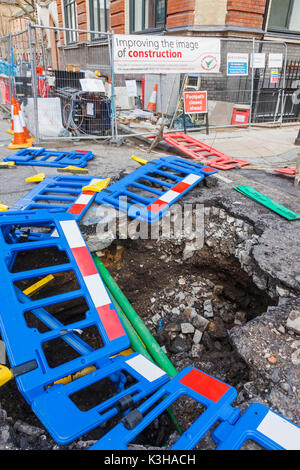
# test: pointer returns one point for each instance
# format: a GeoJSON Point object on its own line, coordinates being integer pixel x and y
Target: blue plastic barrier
{"type": "Point", "coordinates": [24, 343]}
{"type": "Point", "coordinates": [261, 425]}
{"type": "Point", "coordinates": [52, 402]}
{"type": "Point", "coordinates": [39, 156]}
{"type": "Point", "coordinates": [59, 193]}
{"type": "Point", "coordinates": [138, 195]}
{"type": "Point", "coordinates": [66, 422]}
{"type": "Point", "coordinates": [215, 395]}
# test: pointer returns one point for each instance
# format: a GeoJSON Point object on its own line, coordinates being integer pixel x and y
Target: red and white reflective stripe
{"type": "Point", "coordinates": [281, 431]}
{"type": "Point", "coordinates": [173, 193]}
{"type": "Point", "coordinates": [92, 280]}
{"type": "Point", "coordinates": [145, 368]}
{"type": "Point", "coordinates": [84, 199]}
{"type": "Point", "coordinates": [205, 385]}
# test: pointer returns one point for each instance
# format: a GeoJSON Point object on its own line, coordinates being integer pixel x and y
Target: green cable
{"type": "Point", "coordinates": [135, 341]}
{"type": "Point", "coordinates": [151, 344]}
{"type": "Point", "coordinates": [141, 333]}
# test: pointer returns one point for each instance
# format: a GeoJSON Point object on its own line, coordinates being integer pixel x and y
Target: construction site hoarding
{"type": "Point", "coordinates": [165, 54]}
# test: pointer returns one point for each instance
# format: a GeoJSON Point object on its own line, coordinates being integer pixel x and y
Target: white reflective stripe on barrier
{"type": "Point", "coordinates": [72, 233]}
{"type": "Point", "coordinates": [191, 179]}
{"type": "Point", "coordinates": [146, 368]}
{"type": "Point", "coordinates": [97, 290]}
{"type": "Point", "coordinates": [84, 199]}
{"type": "Point", "coordinates": [280, 431]}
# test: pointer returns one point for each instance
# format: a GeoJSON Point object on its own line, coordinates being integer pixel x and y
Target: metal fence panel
{"type": "Point", "coordinates": [6, 69]}
{"type": "Point", "coordinates": [70, 90]}
{"type": "Point", "coordinates": [260, 96]}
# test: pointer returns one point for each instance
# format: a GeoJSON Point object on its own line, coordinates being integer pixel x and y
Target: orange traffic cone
{"type": "Point", "coordinates": [152, 102]}
{"type": "Point", "coordinates": [19, 141]}
{"type": "Point", "coordinates": [13, 102]}
{"type": "Point", "coordinates": [26, 131]}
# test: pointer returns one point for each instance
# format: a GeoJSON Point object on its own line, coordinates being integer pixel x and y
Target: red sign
{"type": "Point", "coordinates": [195, 102]}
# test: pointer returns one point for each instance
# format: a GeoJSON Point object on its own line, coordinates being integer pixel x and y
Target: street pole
{"type": "Point", "coordinates": [32, 50]}
{"type": "Point", "coordinates": [297, 175]}
{"type": "Point", "coordinates": [252, 83]}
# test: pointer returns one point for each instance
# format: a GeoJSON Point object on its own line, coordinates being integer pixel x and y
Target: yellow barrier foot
{"type": "Point", "coordinates": [124, 353]}
{"type": "Point", "coordinates": [11, 165]}
{"type": "Point", "coordinates": [70, 378]}
{"type": "Point", "coordinates": [37, 286]}
{"type": "Point", "coordinates": [36, 178]}
{"type": "Point", "coordinates": [3, 207]}
{"type": "Point", "coordinates": [97, 187]}
{"type": "Point", "coordinates": [73, 169]}
{"type": "Point", "coordinates": [141, 161]}
{"type": "Point", "coordinates": [5, 375]}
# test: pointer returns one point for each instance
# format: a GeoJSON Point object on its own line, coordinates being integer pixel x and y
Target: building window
{"type": "Point", "coordinates": [147, 14]}
{"type": "Point", "coordinates": [285, 16]}
{"type": "Point", "coordinates": [70, 20]}
{"type": "Point", "coordinates": [99, 14]}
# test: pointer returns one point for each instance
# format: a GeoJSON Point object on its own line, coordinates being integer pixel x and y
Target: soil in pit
{"type": "Point", "coordinates": [210, 292]}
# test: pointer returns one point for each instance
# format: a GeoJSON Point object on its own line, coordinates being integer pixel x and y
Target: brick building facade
{"type": "Point", "coordinates": [243, 18]}
{"type": "Point", "coordinates": [262, 19]}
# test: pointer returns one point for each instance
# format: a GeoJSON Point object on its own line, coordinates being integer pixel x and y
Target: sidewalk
{"type": "Point", "coordinates": [261, 146]}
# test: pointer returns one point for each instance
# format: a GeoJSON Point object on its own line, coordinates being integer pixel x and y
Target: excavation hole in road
{"type": "Point", "coordinates": [189, 306]}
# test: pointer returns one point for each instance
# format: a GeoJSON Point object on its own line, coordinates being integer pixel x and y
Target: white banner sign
{"type": "Point", "coordinates": [258, 60]}
{"type": "Point", "coordinates": [131, 88]}
{"type": "Point", "coordinates": [165, 54]}
{"type": "Point", "coordinates": [275, 60]}
{"type": "Point", "coordinates": [92, 85]}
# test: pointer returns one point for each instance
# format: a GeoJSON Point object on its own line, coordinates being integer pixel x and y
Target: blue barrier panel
{"type": "Point", "coordinates": [261, 425]}
{"type": "Point", "coordinates": [39, 156]}
{"type": "Point", "coordinates": [59, 193]}
{"type": "Point", "coordinates": [52, 402]}
{"type": "Point", "coordinates": [66, 422]}
{"type": "Point", "coordinates": [23, 341]}
{"type": "Point", "coordinates": [215, 395]}
{"type": "Point", "coordinates": [148, 192]}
